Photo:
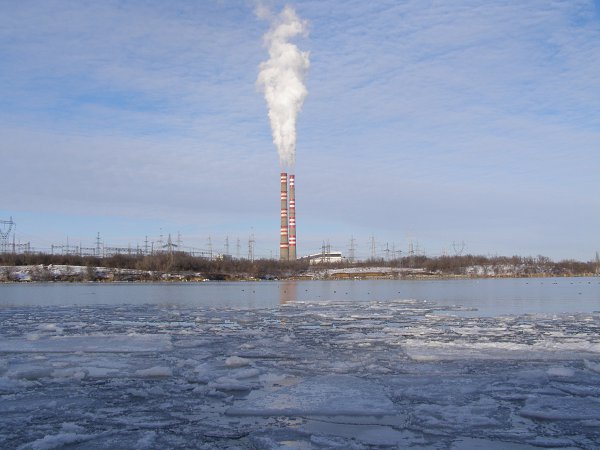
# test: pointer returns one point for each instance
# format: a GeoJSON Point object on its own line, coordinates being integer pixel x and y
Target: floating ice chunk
{"type": "Point", "coordinates": [59, 440]}
{"type": "Point", "coordinates": [146, 441]}
{"type": "Point", "coordinates": [10, 385]}
{"type": "Point", "coordinates": [100, 372]}
{"type": "Point", "coordinates": [229, 384]}
{"type": "Point", "coordinates": [90, 344]}
{"type": "Point", "coordinates": [433, 390]}
{"type": "Point", "coordinates": [579, 389]}
{"type": "Point", "coordinates": [443, 418]}
{"type": "Point", "coordinates": [210, 391]}
{"type": "Point", "coordinates": [31, 373]}
{"type": "Point", "coordinates": [236, 361]}
{"type": "Point", "coordinates": [245, 373]}
{"type": "Point", "coordinates": [468, 443]}
{"type": "Point", "coordinates": [561, 408]}
{"type": "Point", "coordinates": [560, 372]}
{"type": "Point", "coordinates": [420, 350]}
{"type": "Point", "coordinates": [70, 427]}
{"type": "Point", "coordinates": [318, 396]}
{"type": "Point", "coordinates": [139, 393]}
{"type": "Point", "coordinates": [155, 372]}
{"type": "Point", "coordinates": [70, 372]}
{"type": "Point", "coordinates": [551, 442]}
{"type": "Point", "coordinates": [593, 366]}
{"type": "Point", "coordinates": [187, 363]}
{"type": "Point", "coordinates": [50, 327]}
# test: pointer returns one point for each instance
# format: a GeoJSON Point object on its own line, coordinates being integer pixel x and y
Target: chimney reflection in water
{"type": "Point", "coordinates": [288, 292]}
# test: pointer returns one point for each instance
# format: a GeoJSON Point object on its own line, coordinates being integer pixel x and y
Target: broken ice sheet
{"type": "Point", "coordinates": [318, 396]}
{"type": "Point", "coordinates": [306, 375]}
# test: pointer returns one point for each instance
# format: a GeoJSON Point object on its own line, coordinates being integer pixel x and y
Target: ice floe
{"type": "Point", "coordinates": [320, 374]}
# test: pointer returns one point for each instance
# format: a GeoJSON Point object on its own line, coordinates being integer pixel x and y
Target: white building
{"type": "Point", "coordinates": [325, 257]}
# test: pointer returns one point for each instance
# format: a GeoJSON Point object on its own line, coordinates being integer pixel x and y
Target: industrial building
{"type": "Point", "coordinates": [325, 258]}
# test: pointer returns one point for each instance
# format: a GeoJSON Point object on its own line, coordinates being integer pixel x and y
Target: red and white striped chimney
{"type": "Point", "coordinates": [292, 227]}
{"type": "Point", "coordinates": [283, 241]}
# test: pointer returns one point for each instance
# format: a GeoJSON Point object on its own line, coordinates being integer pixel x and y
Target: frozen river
{"type": "Point", "coordinates": [437, 364]}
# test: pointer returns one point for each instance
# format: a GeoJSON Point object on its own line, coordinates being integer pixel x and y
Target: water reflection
{"type": "Point", "coordinates": [288, 292]}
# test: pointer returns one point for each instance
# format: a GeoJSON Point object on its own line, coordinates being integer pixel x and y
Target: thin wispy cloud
{"type": "Point", "coordinates": [469, 120]}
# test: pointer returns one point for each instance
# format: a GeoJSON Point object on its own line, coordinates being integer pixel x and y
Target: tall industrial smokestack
{"type": "Point", "coordinates": [281, 78]}
{"type": "Point", "coordinates": [292, 228]}
{"type": "Point", "coordinates": [283, 241]}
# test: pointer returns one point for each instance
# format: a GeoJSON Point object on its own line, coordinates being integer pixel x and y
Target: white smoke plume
{"type": "Point", "coordinates": [282, 80]}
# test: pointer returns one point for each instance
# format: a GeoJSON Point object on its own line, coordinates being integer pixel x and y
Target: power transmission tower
{"type": "Point", "coordinates": [6, 226]}
{"type": "Point", "coordinates": [387, 251]}
{"type": "Point", "coordinates": [227, 245]}
{"type": "Point", "coordinates": [352, 250]}
{"type": "Point", "coordinates": [160, 241]}
{"type": "Point", "coordinates": [14, 247]}
{"type": "Point", "coordinates": [146, 245]}
{"type": "Point", "coordinates": [458, 248]}
{"type": "Point", "coordinates": [98, 244]}
{"type": "Point", "coordinates": [170, 244]}
{"type": "Point", "coordinates": [251, 242]}
{"type": "Point", "coordinates": [179, 241]}
{"type": "Point", "coordinates": [237, 248]}
{"type": "Point", "coordinates": [372, 247]}
{"type": "Point", "coordinates": [210, 250]}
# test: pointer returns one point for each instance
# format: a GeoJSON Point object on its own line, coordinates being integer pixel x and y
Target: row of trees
{"type": "Point", "coordinates": [169, 262]}
{"type": "Point", "coordinates": [179, 262]}
{"type": "Point", "coordinates": [457, 264]}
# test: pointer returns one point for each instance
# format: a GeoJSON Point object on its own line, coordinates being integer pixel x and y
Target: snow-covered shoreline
{"type": "Point", "coordinates": [72, 273]}
{"type": "Point", "coordinates": [69, 273]}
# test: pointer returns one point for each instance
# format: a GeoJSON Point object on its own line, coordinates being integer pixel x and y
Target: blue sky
{"type": "Point", "coordinates": [426, 121]}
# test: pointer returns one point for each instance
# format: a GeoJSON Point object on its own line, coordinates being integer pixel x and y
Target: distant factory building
{"type": "Point", "coordinates": [325, 258]}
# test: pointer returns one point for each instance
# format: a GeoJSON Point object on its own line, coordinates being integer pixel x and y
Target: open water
{"type": "Point", "coordinates": [486, 297]}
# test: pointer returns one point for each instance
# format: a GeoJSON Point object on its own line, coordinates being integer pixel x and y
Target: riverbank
{"type": "Point", "coordinates": [69, 273]}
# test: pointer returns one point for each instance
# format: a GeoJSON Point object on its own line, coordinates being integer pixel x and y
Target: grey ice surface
{"type": "Point", "coordinates": [301, 375]}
